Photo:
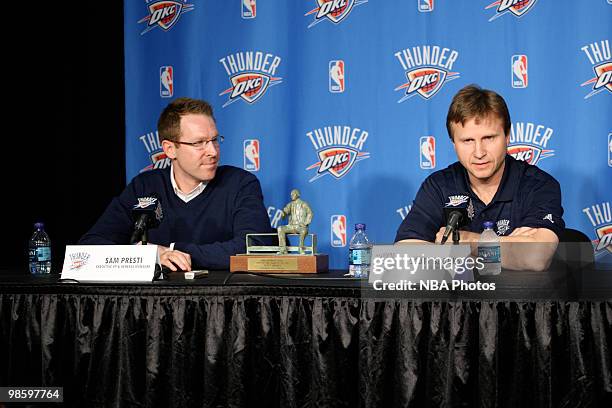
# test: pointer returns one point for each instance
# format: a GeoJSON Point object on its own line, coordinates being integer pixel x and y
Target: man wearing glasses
{"type": "Point", "coordinates": [207, 209]}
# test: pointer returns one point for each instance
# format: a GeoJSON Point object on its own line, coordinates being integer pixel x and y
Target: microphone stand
{"type": "Point", "coordinates": [140, 224]}
{"type": "Point", "coordinates": [455, 236]}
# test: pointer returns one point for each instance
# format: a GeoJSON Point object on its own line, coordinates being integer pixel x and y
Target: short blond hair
{"type": "Point", "coordinates": [169, 123]}
{"type": "Point", "coordinates": [473, 102]}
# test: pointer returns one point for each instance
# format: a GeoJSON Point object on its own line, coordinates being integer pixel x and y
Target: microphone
{"type": "Point", "coordinates": [147, 213]}
{"type": "Point", "coordinates": [456, 217]}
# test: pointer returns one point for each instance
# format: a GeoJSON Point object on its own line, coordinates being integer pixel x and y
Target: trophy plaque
{"type": "Point", "coordinates": [266, 259]}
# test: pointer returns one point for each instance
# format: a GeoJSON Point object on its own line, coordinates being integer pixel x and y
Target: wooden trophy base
{"type": "Point", "coordinates": [272, 263]}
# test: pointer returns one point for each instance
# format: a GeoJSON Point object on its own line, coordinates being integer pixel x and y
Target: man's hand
{"type": "Point", "coordinates": [467, 237]}
{"type": "Point", "coordinates": [174, 259]}
{"type": "Point", "coordinates": [523, 232]}
{"type": "Point", "coordinates": [515, 254]}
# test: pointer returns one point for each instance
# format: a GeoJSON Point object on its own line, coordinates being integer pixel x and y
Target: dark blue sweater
{"type": "Point", "coordinates": [210, 228]}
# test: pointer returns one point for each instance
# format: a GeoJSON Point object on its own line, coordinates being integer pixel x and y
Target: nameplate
{"type": "Point", "coordinates": [273, 263]}
{"type": "Point", "coordinates": [110, 263]}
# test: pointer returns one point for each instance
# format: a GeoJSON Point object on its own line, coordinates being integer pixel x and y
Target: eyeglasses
{"type": "Point", "coordinates": [202, 144]}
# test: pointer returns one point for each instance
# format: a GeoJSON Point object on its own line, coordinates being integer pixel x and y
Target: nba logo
{"type": "Point", "coordinates": [519, 71]}
{"type": "Point", "coordinates": [338, 230]}
{"type": "Point", "coordinates": [610, 149]}
{"type": "Point", "coordinates": [425, 6]}
{"type": "Point", "coordinates": [427, 146]}
{"type": "Point", "coordinates": [166, 82]}
{"type": "Point", "coordinates": [251, 155]}
{"type": "Point", "coordinates": [336, 76]}
{"type": "Point", "coordinates": [248, 9]}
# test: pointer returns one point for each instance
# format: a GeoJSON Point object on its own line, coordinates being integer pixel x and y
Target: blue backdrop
{"type": "Point", "coordinates": [347, 99]}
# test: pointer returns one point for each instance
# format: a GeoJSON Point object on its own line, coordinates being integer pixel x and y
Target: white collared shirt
{"type": "Point", "coordinates": [186, 197]}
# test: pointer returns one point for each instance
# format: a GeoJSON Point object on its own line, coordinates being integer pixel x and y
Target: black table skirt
{"type": "Point", "coordinates": [270, 346]}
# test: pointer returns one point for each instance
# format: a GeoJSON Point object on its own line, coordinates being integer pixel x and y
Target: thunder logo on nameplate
{"type": "Point", "coordinates": [336, 76]}
{"type": "Point", "coordinates": [427, 69]}
{"type": "Point", "coordinates": [164, 14]}
{"type": "Point", "coordinates": [332, 10]}
{"type": "Point", "coordinates": [338, 230]}
{"type": "Point", "coordinates": [518, 8]}
{"type": "Point", "coordinates": [520, 78]}
{"type": "Point", "coordinates": [251, 155]}
{"type": "Point", "coordinates": [79, 260]}
{"type": "Point", "coordinates": [338, 149]}
{"type": "Point", "coordinates": [166, 82]}
{"type": "Point", "coordinates": [427, 148]}
{"type": "Point", "coordinates": [250, 73]}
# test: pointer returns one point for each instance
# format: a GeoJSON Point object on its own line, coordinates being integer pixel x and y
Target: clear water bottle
{"type": "Point", "coordinates": [40, 251]}
{"type": "Point", "coordinates": [489, 250]}
{"type": "Point", "coordinates": [360, 253]}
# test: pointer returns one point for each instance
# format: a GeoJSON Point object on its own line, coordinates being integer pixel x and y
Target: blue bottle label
{"type": "Point", "coordinates": [43, 254]}
{"type": "Point", "coordinates": [490, 254]}
{"type": "Point", "coordinates": [359, 257]}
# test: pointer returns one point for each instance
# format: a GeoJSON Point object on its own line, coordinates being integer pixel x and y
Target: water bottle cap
{"type": "Point", "coordinates": [39, 225]}
{"type": "Point", "coordinates": [359, 226]}
{"type": "Point", "coordinates": [488, 224]}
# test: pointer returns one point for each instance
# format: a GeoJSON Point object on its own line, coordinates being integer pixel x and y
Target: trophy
{"type": "Point", "coordinates": [284, 258]}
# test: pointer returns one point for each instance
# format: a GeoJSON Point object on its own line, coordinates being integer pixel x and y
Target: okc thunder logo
{"type": "Point", "coordinates": [517, 7]}
{"type": "Point", "coordinates": [251, 73]}
{"type": "Point", "coordinates": [336, 161]}
{"type": "Point", "coordinates": [503, 226]}
{"type": "Point", "coordinates": [159, 160]}
{"type": "Point", "coordinates": [164, 14]}
{"type": "Point", "coordinates": [602, 80]}
{"type": "Point", "coordinates": [529, 153]}
{"type": "Point", "coordinates": [456, 200]}
{"type": "Point", "coordinates": [338, 149]}
{"type": "Point", "coordinates": [79, 260]}
{"type": "Point", "coordinates": [600, 216]}
{"type": "Point", "coordinates": [425, 81]}
{"type": "Point", "coordinates": [144, 202]}
{"type": "Point", "coordinates": [333, 10]}
{"type": "Point", "coordinates": [249, 86]}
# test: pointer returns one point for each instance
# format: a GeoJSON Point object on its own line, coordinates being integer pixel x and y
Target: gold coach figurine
{"type": "Point", "coordinates": [283, 258]}
{"type": "Point", "coordinates": [300, 216]}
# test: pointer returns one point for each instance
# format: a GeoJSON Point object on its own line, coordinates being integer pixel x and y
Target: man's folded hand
{"type": "Point", "coordinates": [174, 259]}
